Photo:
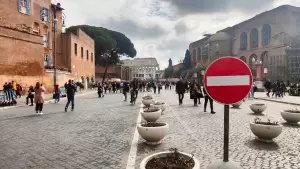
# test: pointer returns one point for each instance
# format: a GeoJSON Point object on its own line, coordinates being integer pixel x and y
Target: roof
{"type": "Point", "coordinates": [58, 6]}
{"type": "Point", "coordinates": [140, 62]}
{"type": "Point", "coordinates": [219, 36]}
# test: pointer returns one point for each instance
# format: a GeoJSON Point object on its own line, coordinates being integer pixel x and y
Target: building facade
{"type": "Point", "coordinates": [260, 41]}
{"type": "Point", "coordinates": [78, 55]}
{"type": "Point", "coordinates": [140, 68]}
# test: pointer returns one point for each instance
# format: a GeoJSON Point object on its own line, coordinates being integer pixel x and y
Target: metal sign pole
{"type": "Point", "coordinates": [226, 133]}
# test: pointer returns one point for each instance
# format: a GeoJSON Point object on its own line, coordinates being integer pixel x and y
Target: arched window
{"type": "Point", "coordinates": [243, 41]}
{"type": "Point", "coordinates": [199, 54]}
{"type": "Point", "coordinates": [254, 38]}
{"type": "Point", "coordinates": [194, 56]}
{"type": "Point", "coordinates": [266, 35]}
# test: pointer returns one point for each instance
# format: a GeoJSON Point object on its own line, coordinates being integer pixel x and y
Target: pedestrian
{"type": "Point", "coordinates": [268, 86]}
{"type": "Point", "coordinates": [125, 90]}
{"type": "Point", "coordinates": [159, 87]}
{"type": "Point", "coordinates": [100, 91]}
{"type": "Point", "coordinates": [39, 98]}
{"type": "Point", "coordinates": [180, 90]}
{"type": "Point", "coordinates": [30, 95]}
{"type": "Point", "coordinates": [206, 99]}
{"type": "Point", "coordinates": [195, 93]}
{"type": "Point", "coordinates": [71, 89]}
{"type": "Point", "coordinates": [57, 93]}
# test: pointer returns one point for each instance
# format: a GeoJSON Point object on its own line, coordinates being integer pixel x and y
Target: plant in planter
{"type": "Point", "coordinates": [258, 108]}
{"type": "Point", "coordinates": [153, 132]}
{"type": "Point", "coordinates": [172, 159]}
{"type": "Point", "coordinates": [147, 100]}
{"type": "Point", "coordinates": [151, 114]}
{"type": "Point", "coordinates": [265, 131]}
{"type": "Point", "coordinates": [160, 105]}
{"type": "Point", "coordinates": [238, 104]}
{"type": "Point", "coordinates": [291, 116]}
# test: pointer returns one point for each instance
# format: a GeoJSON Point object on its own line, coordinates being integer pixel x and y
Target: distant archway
{"type": "Point", "coordinates": [252, 64]}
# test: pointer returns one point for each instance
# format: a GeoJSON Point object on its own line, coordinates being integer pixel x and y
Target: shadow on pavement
{"type": "Point", "coordinates": [285, 124]}
{"type": "Point", "coordinates": [261, 145]}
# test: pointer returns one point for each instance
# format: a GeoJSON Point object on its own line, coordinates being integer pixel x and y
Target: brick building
{"type": "Point", "coordinates": [78, 52]}
{"type": "Point", "coordinates": [264, 38]}
{"type": "Point", "coordinates": [27, 45]}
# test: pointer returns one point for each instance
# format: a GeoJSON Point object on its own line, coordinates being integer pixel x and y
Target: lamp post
{"type": "Point", "coordinates": [258, 64]}
{"type": "Point", "coordinates": [54, 29]}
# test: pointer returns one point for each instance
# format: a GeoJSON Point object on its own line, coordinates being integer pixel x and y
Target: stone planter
{"type": "Point", "coordinates": [153, 135]}
{"type": "Point", "coordinates": [152, 116]}
{"type": "Point", "coordinates": [265, 133]}
{"type": "Point", "coordinates": [238, 104]}
{"type": "Point", "coordinates": [147, 102]}
{"type": "Point", "coordinates": [160, 106]}
{"type": "Point", "coordinates": [164, 154]}
{"type": "Point", "coordinates": [290, 117]}
{"type": "Point", "coordinates": [258, 108]}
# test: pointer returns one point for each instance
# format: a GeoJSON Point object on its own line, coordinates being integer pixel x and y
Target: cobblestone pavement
{"type": "Point", "coordinates": [193, 131]}
{"type": "Point", "coordinates": [96, 135]}
{"type": "Point", "coordinates": [295, 100]}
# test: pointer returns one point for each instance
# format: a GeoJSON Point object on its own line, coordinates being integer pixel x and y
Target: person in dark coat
{"type": "Point", "coordinates": [268, 86]}
{"type": "Point", "coordinates": [71, 89]}
{"type": "Point", "coordinates": [125, 90]}
{"type": "Point", "coordinates": [180, 90]}
{"type": "Point", "coordinates": [206, 99]}
{"type": "Point", "coordinates": [100, 90]}
{"type": "Point", "coordinates": [30, 95]}
{"type": "Point", "coordinates": [195, 93]}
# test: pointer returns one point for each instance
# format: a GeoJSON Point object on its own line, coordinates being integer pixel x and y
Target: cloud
{"type": "Point", "coordinates": [186, 7]}
{"type": "Point", "coordinates": [181, 28]}
{"type": "Point", "coordinates": [134, 29]}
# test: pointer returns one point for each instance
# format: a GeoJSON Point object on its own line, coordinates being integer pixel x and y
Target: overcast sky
{"type": "Point", "coordinates": [164, 28]}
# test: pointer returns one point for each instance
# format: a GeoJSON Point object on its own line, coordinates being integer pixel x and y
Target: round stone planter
{"type": "Point", "coordinates": [160, 106]}
{"type": "Point", "coordinates": [258, 108]}
{"type": "Point", "coordinates": [164, 154]}
{"type": "Point", "coordinates": [147, 102]}
{"type": "Point", "coordinates": [151, 116]}
{"type": "Point", "coordinates": [237, 105]}
{"type": "Point", "coordinates": [289, 117]}
{"type": "Point", "coordinates": [153, 135]}
{"type": "Point", "coordinates": [265, 133]}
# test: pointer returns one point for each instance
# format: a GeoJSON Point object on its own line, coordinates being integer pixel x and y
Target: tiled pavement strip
{"type": "Point", "coordinates": [193, 131]}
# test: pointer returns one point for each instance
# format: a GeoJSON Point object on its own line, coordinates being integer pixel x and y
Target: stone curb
{"type": "Point", "coordinates": [48, 101]}
{"type": "Point", "coordinates": [277, 101]}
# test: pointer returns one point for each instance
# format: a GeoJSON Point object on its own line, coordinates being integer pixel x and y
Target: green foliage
{"type": "Point", "coordinates": [187, 60]}
{"type": "Point", "coordinates": [106, 40]}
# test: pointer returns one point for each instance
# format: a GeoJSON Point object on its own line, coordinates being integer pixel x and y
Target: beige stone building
{"type": "Point", "coordinates": [78, 52]}
{"type": "Point", "coordinates": [265, 38]}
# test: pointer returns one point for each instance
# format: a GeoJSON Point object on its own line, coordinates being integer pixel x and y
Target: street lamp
{"type": "Point", "coordinates": [258, 64]}
{"type": "Point", "coordinates": [54, 23]}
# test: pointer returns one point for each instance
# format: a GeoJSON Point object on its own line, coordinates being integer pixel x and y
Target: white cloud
{"type": "Point", "coordinates": [155, 27]}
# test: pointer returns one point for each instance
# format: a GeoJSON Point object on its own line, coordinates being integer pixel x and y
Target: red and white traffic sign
{"type": "Point", "coordinates": [228, 80]}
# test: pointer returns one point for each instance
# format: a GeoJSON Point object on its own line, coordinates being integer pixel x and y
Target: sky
{"type": "Point", "coordinates": [164, 28]}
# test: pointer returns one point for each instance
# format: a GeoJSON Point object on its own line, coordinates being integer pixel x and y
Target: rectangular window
{"type": "Point", "coordinates": [25, 7]}
{"type": "Point", "coordinates": [87, 54]}
{"type": "Point", "coordinates": [92, 57]}
{"type": "Point", "coordinates": [45, 15]}
{"type": "Point", "coordinates": [75, 48]}
{"type": "Point", "coordinates": [81, 52]}
{"type": "Point", "coordinates": [46, 41]}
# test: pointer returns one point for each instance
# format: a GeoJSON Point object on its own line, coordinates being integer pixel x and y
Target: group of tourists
{"type": "Point", "coordinates": [11, 91]}
{"type": "Point", "coordinates": [196, 93]}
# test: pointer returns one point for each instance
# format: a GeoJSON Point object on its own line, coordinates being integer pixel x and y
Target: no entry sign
{"type": "Point", "coordinates": [228, 80]}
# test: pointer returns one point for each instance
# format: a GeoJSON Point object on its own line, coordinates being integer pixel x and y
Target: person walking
{"type": "Point", "coordinates": [268, 87]}
{"type": "Point", "coordinates": [195, 93]}
{"type": "Point", "coordinates": [39, 98]}
{"type": "Point", "coordinates": [100, 90]}
{"type": "Point", "coordinates": [180, 90]}
{"type": "Point", "coordinates": [125, 90]}
{"type": "Point", "coordinates": [71, 89]}
{"type": "Point", "coordinates": [206, 99]}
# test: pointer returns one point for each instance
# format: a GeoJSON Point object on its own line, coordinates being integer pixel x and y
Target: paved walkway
{"type": "Point", "coordinates": [294, 100]}
{"type": "Point", "coordinates": [196, 132]}
{"type": "Point", "coordinates": [21, 102]}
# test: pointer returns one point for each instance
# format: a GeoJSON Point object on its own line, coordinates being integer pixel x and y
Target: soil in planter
{"type": "Point", "coordinates": [153, 124]}
{"type": "Point", "coordinates": [150, 110]}
{"type": "Point", "coordinates": [292, 111]}
{"type": "Point", "coordinates": [170, 162]}
{"type": "Point", "coordinates": [258, 104]}
{"type": "Point", "coordinates": [159, 103]}
{"type": "Point", "coordinates": [267, 123]}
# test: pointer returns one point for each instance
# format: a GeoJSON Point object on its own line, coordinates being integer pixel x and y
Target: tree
{"type": "Point", "coordinates": [187, 60]}
{"type": "Point", "coordinates": [109, 45]}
